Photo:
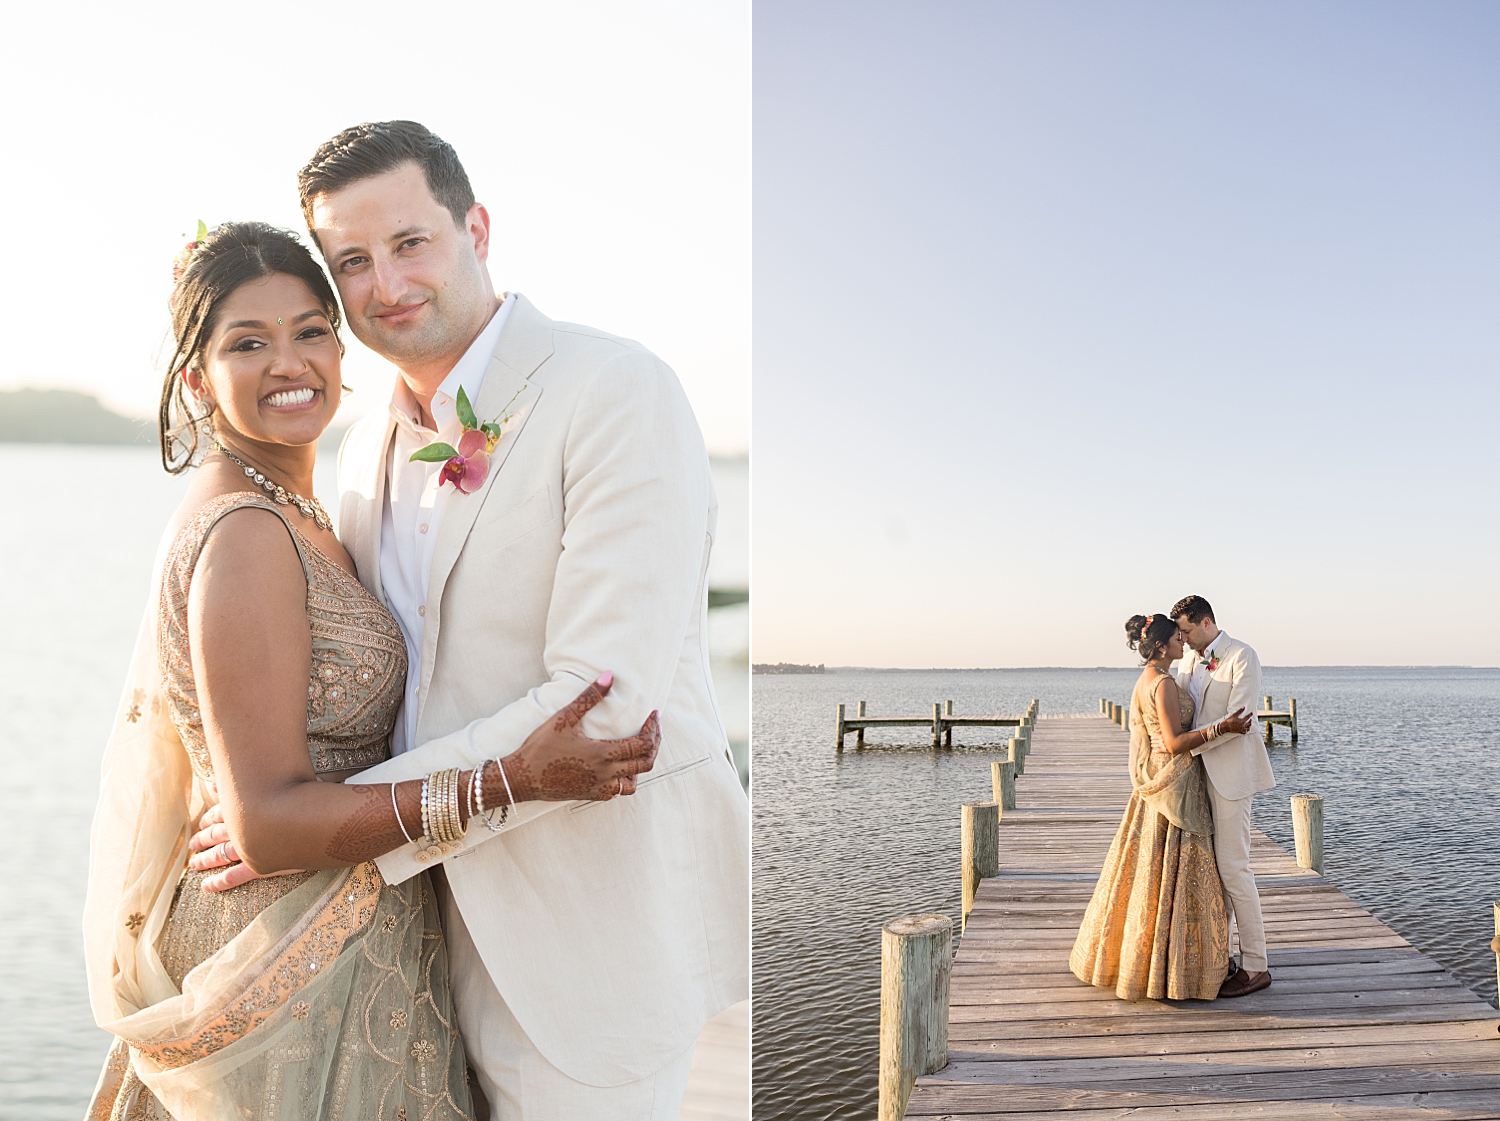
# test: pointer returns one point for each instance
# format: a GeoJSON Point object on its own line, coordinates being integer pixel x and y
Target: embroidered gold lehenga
{"type": "Point", "coordinates": [1156, 925]}
{"type": "Point", "coordinates": [318, 996]}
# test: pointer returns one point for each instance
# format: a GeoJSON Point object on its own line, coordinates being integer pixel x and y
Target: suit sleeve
{"type": "Point", "coordinates": [635, 543]}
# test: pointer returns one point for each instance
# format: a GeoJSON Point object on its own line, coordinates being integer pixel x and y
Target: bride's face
{"type": "Point", "coordinates": [1174, 646]}
{"type": "Point", "coordinates": [272, 366]}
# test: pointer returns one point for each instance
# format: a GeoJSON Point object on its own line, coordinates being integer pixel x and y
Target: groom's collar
{"type": "Point", "coordinates": [1219, 640]}
{"type": "Point", "coordinates": [467, 374]}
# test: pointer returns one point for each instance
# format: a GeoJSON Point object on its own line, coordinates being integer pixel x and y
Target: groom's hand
{"type": "Point", "coordinates": [558, 763]}
{"type": "Point", "coordinates": [212, 847]}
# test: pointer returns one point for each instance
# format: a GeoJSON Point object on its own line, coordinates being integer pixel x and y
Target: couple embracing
{"type": "Point", "coordinates": [1178, 871]}
{"type": "Point", "coordinates": [434, 818]}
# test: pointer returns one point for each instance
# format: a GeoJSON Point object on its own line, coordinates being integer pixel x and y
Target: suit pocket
{"type": "Point", "coordinates": [649, 780]}
{"type": "Point", "coordinates": [496, 531]}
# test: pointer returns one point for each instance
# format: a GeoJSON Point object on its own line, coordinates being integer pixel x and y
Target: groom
{"type": "Point", "coordinates": [577, 544]}
{"type": "Point", "coordinates": [1223, 675]}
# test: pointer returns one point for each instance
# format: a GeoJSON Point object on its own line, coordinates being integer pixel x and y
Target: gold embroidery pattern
{"type": "Point", "coordinates": [358, 673]}
{"type": "Point", "coordinates": [133, 713]}
{"type": "Point", "coordinates": [298, 964]}
{"type": "Point", "coordinates": [135, 922]}
{"type": "Point", "coordinates": [422, 1051]}
{"type": "Point", "coordinates": [398, 1018]}
{"type": "Point", "coordinates": [300, 1009]}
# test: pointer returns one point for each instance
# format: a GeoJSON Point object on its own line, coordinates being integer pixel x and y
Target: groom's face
{"type": "Point", "coordinates": [1194, 634]}
{"type": "Point", "coordinates": [412, 282]}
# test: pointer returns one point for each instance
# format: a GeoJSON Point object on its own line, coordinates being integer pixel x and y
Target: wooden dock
{"type": "Point", "coordinates": [942, 722]}
{"type": "Point", "coordinates": [1357, 1024]}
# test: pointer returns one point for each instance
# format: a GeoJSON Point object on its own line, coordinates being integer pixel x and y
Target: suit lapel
{"type": "Point", "coordinates": [525, 343]}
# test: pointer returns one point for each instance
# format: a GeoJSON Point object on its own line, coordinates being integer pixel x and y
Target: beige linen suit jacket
{"type": "Point", "coordinates": [613, 930]}
{"type": "Point", "coordinates": [1238, 766]}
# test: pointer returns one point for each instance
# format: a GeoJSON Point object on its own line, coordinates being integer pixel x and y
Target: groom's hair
{"type": "Point", "coordinates": [1196, 609]}
{"type": "Point", "coordinates": [376, 147]}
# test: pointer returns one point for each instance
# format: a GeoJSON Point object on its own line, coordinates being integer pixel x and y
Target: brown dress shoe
{"type": "Point", "coordinates": [1234, 967]}
{"type": "Point", "coordinates": [1242, 983]}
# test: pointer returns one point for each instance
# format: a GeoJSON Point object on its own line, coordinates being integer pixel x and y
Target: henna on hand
{"type": "Point", "coordinates": [558, 763]}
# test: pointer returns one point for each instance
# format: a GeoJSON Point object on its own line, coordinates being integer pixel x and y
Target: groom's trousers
{"type": "Point", "coordinates": [1232, 853]}
{"type": "Point", "coordinates": [519, 1082]}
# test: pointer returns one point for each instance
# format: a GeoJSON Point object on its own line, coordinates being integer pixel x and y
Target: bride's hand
{"type": "Point", "coordinates": [212, 847]}
{"type": "Point", "coordinates": [558, 763]}
{"type": "Point", "coordinates": [1237, 723]}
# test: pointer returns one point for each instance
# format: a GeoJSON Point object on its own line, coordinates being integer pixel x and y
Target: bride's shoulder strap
{"type": "Point", "coordinates": [193, 535]}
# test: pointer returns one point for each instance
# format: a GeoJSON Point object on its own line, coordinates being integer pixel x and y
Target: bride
{"type": "Point", "coordinates": [1156, 925]}
{"type": "Point", "coordinates": [264, 676]}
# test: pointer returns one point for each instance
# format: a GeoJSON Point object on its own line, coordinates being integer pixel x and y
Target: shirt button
{"type": "Point", "coordinates": [422, 528]}
{"type": "Point", "coordinates": [422, 611]}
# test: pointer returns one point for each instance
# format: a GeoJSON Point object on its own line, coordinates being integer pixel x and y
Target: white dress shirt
{"type": "Point", "coordinates": [414, 503]}
{"type": "Point", "coordinates": [1196, 683]}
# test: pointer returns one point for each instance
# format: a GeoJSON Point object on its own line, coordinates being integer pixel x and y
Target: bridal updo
{"type": "Point", "coordinates": [1148, 635]}
{"type": "Point", "coordinates": [207, 272]}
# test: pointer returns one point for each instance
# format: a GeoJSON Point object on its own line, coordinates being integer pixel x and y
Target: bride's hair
{"type": "Point", "coordinates": [213, 269]}
{"type": "Point", "coordinates": [1148, 635]}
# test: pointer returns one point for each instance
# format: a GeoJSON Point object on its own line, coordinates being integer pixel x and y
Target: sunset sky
{"type": "Point", "coordinates": [1065, 311]}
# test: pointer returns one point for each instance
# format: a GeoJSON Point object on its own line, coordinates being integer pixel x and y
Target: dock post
{"type": "Point", "coordinates": [937, 725]}
{"type": "Point", "coordinates": [1495, 945]}
{"type": "Point", "coordinates": [1018, 755]}
{"type": "Point", "coordinates": [838, 742]}
{"type": "Point", "coordinates": [859, 734]}
{"type": "Point", "coordinates": [980, 855]}
{"type": "Point", "coordinates": [1307, 827]}
{"type": "Point", "coordinates": [916, 962]}
{"type": "Point", "coordinates": [1003, 785]}
{"type": "Point", "coordinates": [1270, 738]}
{"type": "Point", "coordinates": [948, 735]}
{"type": "Point", "coordinates": [1291, 707]}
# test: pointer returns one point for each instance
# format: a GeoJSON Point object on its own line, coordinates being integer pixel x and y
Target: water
{"type": "Point", "coordinates": [81, 526]}
{"type": "Point", "coordinates": [1406, 760]}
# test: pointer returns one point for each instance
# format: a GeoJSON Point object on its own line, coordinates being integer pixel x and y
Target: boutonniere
{"type": "Point", "coordinates": [467, 465]}
{"type": "Point", "coordinates": [1211, 662]}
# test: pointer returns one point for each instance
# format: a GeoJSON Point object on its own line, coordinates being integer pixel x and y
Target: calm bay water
{"type": "Point", "coordinates": [1406, 760]}
{"type": "Point", "coordinates": [81, 530]}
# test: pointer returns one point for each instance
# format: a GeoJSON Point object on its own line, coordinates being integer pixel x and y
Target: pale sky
{"type": "Point", "coordinates": [1065, 311]}
{"type": "Point", "coordinates": [609, 141]}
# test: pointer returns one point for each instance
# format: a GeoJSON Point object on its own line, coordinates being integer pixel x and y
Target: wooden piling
{"type": "Point", "coordinates": [980, 852]}
{"type": "Point", "coordinates": [859, 734]}
{"type": "Point", "coordinates": [1307, 828]}
{"type": "Point", "coordinates": [937, 725]}
{"type": "Point", "coordinates": [1291, 707]}
{"type": "Point", "coordinates": [948, 734]}
{"type": "Point", "coordinates": [1003, 784]}
{"type": "Point", "coordinates": [916, 963]}
{"type": "Point", "coordinates": [838, 742]}
{"type": "Point", "coordinates": [1017, 749]}
{"type": "Point", "coordinates": [1495, 945]}
{"type": "Point", "coordinates": [1270, 737]}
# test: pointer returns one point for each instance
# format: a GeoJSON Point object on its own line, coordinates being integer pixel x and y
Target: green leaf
{"type": "Point", "coordinates": [490, 429]}
{"type": "Point", "coordinates": [202, 231]}
{"type": "Point", "coordinates": [433, 453]}
{"type": "Point", "coordinates": [465, 410]}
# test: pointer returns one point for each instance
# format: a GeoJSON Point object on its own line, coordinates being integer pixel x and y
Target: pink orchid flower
{"type": "Point", "coordinates": [467, 470]}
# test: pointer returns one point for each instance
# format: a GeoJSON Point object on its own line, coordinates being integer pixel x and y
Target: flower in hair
{"type": "Point", "coordinates": [468, 465]}
{"type": "Point", "coordinates": [180, 262]}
